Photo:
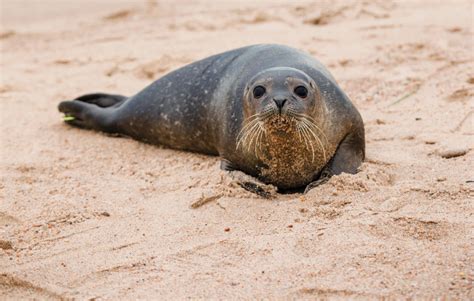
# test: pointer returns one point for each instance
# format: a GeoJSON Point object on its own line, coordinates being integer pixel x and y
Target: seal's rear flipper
{"type": "Point", "coordinates": [91, 111]}
{"type": "Point", "coordinates": [86, 115]}
{"type": "Point", "coordinates": [102, 100]}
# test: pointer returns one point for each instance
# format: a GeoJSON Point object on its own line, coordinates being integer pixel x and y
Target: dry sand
{"type": "Point", "coordinates": [84, 215]}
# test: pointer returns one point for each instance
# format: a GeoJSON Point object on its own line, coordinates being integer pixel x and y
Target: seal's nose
{"type": "Point", "coordinates": [280, 102]}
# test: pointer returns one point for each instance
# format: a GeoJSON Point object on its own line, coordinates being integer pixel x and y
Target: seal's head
{"type": "Point", "coordinates": [279, 97]}
{"type": "Point", "coordinates": [282, 106]}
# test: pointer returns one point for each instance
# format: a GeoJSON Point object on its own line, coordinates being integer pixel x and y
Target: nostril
{"type": "Point", "coordinates": [280, 102]}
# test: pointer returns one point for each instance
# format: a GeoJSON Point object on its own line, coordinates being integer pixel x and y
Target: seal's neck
{"type": "Point", "coordinates": [289, 155]}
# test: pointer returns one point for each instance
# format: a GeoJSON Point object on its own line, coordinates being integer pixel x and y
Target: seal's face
{"type": "Point", "coordinates": [281, 124]}
{"type": "Point", "coordinates": [279, 97]}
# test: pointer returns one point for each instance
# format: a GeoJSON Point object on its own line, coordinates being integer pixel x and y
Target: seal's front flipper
{"type": "Point", "coordinates": [348, 157]}
{"type": "Point", "coordinates": [86, 115]}
{"type": "Point", "coordinates": [227, 165]}
{"type": "Point", "coordinates": [255, 188]}
{"type": "Point", "coordinates": [324, 176]}
{"type": "Point", "coordinates": [102, 100]}
{"type": "Point", "coordinates": [349, 154]}
{"type": "Point", "coordinates": [252, 184]}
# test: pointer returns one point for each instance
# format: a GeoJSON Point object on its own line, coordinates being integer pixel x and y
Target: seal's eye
{"type": "Point", "coordinates": [301, 91]}
{"type": "Point", "coordinates": [258, 91]}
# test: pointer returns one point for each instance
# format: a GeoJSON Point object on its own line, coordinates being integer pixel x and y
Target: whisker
{"type": "Point", "coordinates": [247, 129]}
{"type": "Point", "coordinates": [251, 133]}
{"type": "Point", "coordinates": [242, 134]}
{"type": "Point", "coordinates": [252, 136]}
{"type": "Point", "coordinates": [313, 125]}
{"type": "Point", "coordinates": [264, 133]}
{"type": "Point", "coordinates": [257, 140]}
{"type": "Point", "coordinates": [307, 135]}
{"type": "Point", "coordinates": [317, 139]}
{"type": "Point", "coordinates": [298, 130]}
{"type": "Point", "coordinates": [302, 137]}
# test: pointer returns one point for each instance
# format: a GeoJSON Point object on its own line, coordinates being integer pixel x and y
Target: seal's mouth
{"type": "Point", "coordinates": [280, 123]}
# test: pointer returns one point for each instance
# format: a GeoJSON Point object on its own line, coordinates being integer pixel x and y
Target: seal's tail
{"type": "Point", "coordinates": [91, 111]}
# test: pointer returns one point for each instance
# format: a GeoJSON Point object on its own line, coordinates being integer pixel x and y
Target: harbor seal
{"type": "Point", "coordinates": [270, 111]}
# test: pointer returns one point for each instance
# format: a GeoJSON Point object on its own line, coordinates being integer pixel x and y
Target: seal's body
{"type": "Point", "coordinates": [270, 111]}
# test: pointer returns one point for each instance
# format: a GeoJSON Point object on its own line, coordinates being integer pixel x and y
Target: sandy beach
{"type": "Point", "coordinates": [87, 216]}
